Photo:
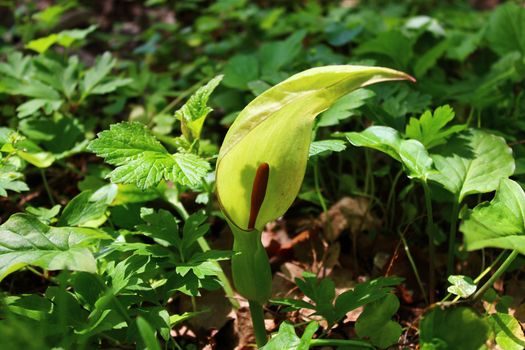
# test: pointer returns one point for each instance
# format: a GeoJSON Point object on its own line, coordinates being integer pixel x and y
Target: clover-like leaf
{"type": "Point", "coordinates": [462, 286]}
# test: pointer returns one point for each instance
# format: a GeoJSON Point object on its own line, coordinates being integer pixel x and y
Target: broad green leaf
{"type": "Point", "coordinates": [392, 44]}
{"type": "Point", "coordinates": [240, 70]}
{"type": "Point", "coordinates": [284, 339]}
{"type": "Point", "coordinates": [325, 147]}
{"type": "Point", "coordinates": [411, 153]}
{"type": "Point", "coordinates": [275, 128]}
{"type": "Point", "coordinates": [458, 328]}
{"type": "Point", "coordinates": [194, 112]}
{"type": "Point", "coordinates": [274, 56]}
{"type": "Point", "coordinates": [148, 334]}
{"type": "Point", "coordinates": [381, 138]}
{"type": "Point", "coordinates": [142, 160]}
{"type": "Point", "coordinates": [509, 335]}
{"type": "Point", "coordinates": [506, 29]}
{"type": "Point", "coordinates": [430, 129]}
{"type": "Point", "coordinates": [24, 240]}
{"type": "Point", "coordinates": [375, 322]}
{"type": "Point", "coordinates": [462, 286]}
{"type": "Point", "coordinates": [88, 208]}
{"type": "Point", "coordinates": [500, 223]}
{"type": "Point", "coordinates": [345, 107]}
{"type": "Point", "coordinates": [472, 161]}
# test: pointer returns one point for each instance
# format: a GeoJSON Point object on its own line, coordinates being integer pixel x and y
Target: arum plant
{"type": "Point", "coordinates": [262, 162]}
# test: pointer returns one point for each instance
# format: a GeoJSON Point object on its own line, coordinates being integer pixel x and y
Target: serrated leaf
{"type": "Point", "coordinates": [194, 112]}
{"type": "Point", "coordinates": [375, 322]}
{"type": "Point", "coordinates": [24, 240]}
{"type": "Point", "coordinates": [472, 161]}
{"type": "Point", "coordinates": [161, 226]}
{"type": "Point", "coordinates": [430, 129]}
{"type": "Point", "coordinates": [325, 147]}
{"type": "Point", "coordinates": [500, 223]}
{"type": "Point", "coordinates": [142, 160]}
{"type": "Point", "coordinates": [462, 286]}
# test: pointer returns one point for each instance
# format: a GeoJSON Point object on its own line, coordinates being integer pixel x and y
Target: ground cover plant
{"type": "Point", "coordinates": [234, 174]}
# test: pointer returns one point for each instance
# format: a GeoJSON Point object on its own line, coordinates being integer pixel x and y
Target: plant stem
{"type": "Point", "coordinates": [452, 236]}
{"type": "Point", "coordinates": [390, 204]}
{"type": "Point", "coordinates": [340, 342]}
{"type": "Point", "coordinates": [414, 267]}
{"type": "Point", "coordinates": [504, 266]}
{"type": "Point", "coordinates": [259, 329]}
{"type": "Point", "coordinates": [431, 249]}
{"type": "Point", "coordinates": [203, 244]}
{"type": "Point", "coordinates": [317, 187]}
{"type": "Point", "coordinates": [46, 186]}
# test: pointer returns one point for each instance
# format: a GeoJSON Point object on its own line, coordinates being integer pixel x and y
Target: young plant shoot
{"type": "Point", "coordinates": [262, 162]}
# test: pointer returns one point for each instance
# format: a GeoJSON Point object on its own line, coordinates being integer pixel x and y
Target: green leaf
{"type": "Point", "coordinates": [325, 147]}
{"type": "Point", "coordinates": [94, 78]}
{"type": "Point", "coordinates": [458, 328]}
{"type": "Point", "coordinates": [194, 112]}
{"type": "Point", "coordinates": [88, 208]}
{"type": "Point", "coordinates": [26, 241]}
{"type": "Point", "coordinates": [10, 179]}
{"type": "Point", "coordinates": [142, 160]}
{"type": "Point", "coordinates": [392, 44]}
{"type": "Point", "coordinates": [375, 322]}
{"type": "Point", "coordinates": [148, 334]}
{"type": "Point", "coordinates": [411, 153]}
{"type": "Point", "coordinates": [240, 70]}
{"type": "Point", "coordinates": [277, 55]}
{"type": "Point", "coordinates": [506, 29]}
{"type": "Point", "coordinates": [345, 107]}
{"type": "Point", "coordinates": [509, 335]}
{"type": "Point", "coordinates": [430, 129]}
{"type": "Point", "coordinates": [462, 286]}
{"type": "Point", "coordinates": [65, 38]}
{"type": "Point", "coordinates": [472, 161]}
{"type": "Point", "coordinates": [161, 226]}
{"type": "Point", "coordinates": [500, 223]}
{"type": "Point", "coordinates": [276, 128]}
{"type": "Point", "coordinates": [284, 339]}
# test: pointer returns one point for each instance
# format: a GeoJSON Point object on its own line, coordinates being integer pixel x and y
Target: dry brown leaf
{"type": "Point", "coordinates": [348, 214]}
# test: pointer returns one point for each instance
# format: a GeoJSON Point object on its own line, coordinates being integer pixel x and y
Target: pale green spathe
{"type": "Point", "coordinates": [275, 128]}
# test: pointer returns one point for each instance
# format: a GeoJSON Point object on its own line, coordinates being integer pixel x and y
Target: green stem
{"type": "Point", "coordinates": [452, 236]}
{"type": "Point", "coordinates": [340, 342]}
{"type": "Point", "coordinates": [259, 329]}
{"type": "Point", "coordinates": [431, 249]}
{"type": "Point", "coordinates": [390, 207]}
{"type": "Point", "coordinates": [203, 244]}
{"type": "Point", "coordinates": [46, 186]}
{"type": "Point", "coordinates": [318, 188]}
{"type": "Point", "coordinates": [504, 266]}
{"type": "Point", "coordinates": [414, 267]}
